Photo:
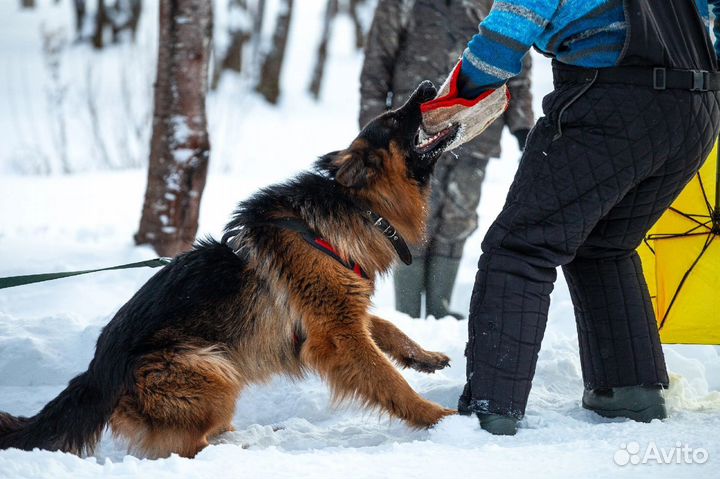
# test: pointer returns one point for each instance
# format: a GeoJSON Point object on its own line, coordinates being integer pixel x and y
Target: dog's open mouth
{"type": "Point", "coordinates": [433, 145]}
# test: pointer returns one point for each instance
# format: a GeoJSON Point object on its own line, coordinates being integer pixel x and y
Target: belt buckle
{"type": "Point", "coordinates": [659, 78]}
{"type": "Point", "coordinates": [701, 80]}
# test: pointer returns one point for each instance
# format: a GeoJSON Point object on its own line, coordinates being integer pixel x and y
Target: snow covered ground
{"type": "Point", "coordinates": [286, 429]}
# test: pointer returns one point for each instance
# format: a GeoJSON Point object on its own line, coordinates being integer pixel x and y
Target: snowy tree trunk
{"type": "Point", "coordinates": [80, 9]}
{"type": "Point", "coordinates": [135, 12]}
{"type": "Point", "coordinates": [101, 19]}
{"type": "Point", "coordinates": [180, 147]}
{"type": "Point", "coordinates": [258, 19]}
{"type": "Point", "coordinates": [117, 17]}
{"type": "Point", "coordinates": [359, 32]}
{"type": "Point", "coordinates": [125, 15]}
{"type": "Point", "coordinates": [240, 33]}
{"type": "Point", "coordinates": [27, 3]}
{"type": "Point", "coordinates": [269, 85]}
{"type": "Point", "coordinates": [319, 70]}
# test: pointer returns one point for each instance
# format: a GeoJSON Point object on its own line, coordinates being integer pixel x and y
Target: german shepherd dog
{"type": "Point", "coordinates": [287, 291]}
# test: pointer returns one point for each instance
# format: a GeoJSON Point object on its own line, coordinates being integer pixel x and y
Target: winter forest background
{"type": "Point", "coordinates": [65, 67]}
{"type": "Point", "coordinates": [80, 91]}
{"type": "Point", "coordinates": [76, 111]}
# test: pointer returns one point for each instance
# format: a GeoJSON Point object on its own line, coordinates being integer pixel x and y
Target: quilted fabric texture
{"type": "Point", "coordinates": [591, 183]}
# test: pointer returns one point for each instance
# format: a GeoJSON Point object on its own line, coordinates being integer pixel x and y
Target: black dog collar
{"type": "Point", "coordinates": [389, 231]}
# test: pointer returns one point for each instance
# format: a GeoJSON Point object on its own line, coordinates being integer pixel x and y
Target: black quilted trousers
{"type": "Point", "coordinates": [599, 169]}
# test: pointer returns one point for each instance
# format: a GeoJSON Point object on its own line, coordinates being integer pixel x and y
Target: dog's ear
{"type": "Point", "coordinates": [351, 171]}
{"type": "Point", "coordinates": [356, 167]}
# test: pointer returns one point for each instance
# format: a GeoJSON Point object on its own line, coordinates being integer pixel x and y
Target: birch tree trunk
{"type": "Point", "coordinates": [269, 85]}
{"type": "Point", "coordinates": [180, 147]}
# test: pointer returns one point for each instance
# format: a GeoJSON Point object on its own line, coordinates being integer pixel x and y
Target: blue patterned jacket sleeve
{"type": "Point", "coordinates": [495, 53]}
{"type": "Point", "coordinates": [588, 33]}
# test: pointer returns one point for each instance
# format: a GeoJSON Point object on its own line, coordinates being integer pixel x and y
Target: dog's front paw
{"type": "Point", "coordinates": [428, 362]}
{"type": "Point", "coordinates": [430, 415]}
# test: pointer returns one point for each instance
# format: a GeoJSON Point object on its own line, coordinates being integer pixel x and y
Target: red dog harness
{"type": "Point", "coordinates": [312, 238]}
{"type": "Point", "coordinates": [317, 242]}
{"type": "Point", "coordinates": [329, 250]}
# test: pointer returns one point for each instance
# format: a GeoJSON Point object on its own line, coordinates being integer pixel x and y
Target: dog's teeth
{"type": "Point", "coordinates": [425, 141]}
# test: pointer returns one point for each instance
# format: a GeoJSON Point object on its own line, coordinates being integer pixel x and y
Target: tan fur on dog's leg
{"type": "Point", "coordinates": [356, 368]}
{"type": "Point", "coordinates": [404, 350]}
{"type": "Point", "coordinates": [180, 398]}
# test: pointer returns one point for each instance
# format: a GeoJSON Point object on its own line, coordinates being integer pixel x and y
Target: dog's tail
{"type": "Point", "coordinates": [72, 422]}
{"type": "Point", "coordinates": [9, 423]}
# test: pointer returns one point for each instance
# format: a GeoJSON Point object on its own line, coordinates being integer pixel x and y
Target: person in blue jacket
{"type": "Point", "coordinates": [632, 118]}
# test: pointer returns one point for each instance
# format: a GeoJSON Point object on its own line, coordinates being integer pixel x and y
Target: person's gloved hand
{"type": "Point", "coordinates": [521, 136]}
{"type": "Point", "coordinates": [472, 116]}
{"type": "Point", "coordinates": [468, 89]}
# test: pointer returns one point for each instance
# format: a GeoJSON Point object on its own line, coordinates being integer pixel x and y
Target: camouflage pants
{"type": "Point", "coordinates": [456, 188]}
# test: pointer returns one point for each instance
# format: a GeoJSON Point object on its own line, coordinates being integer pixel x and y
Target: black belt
{"type": "Point", "coordinates": [656, 78]}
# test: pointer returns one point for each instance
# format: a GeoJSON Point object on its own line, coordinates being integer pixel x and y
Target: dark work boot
{"type": "Point", "coordinates": [498, 425]}
{"type": "Point", "coordinates": [440, 279]}
{"type": "Point", "coordinates": [639, 403]}
{"type": "Point", "coordinates": [409, 284]}
{"type": "Point", "coordinates": [495, 424]}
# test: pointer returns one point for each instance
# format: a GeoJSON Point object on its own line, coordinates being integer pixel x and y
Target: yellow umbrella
{"type": "Point", "coordinates": [681, 262]}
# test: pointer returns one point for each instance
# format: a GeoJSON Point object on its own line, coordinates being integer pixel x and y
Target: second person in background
{"type": "Point", "coordinates": [415, 40]}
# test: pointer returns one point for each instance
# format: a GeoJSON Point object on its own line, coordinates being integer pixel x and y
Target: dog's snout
{"type": "Point", "coordinates": [426, 91]}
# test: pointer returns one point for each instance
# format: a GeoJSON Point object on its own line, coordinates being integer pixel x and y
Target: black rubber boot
{"type": "Point", "coordinates": [498, 425]}
{"type": "Point", "coordinates": [639, 403]}
{"type": "Point", "coordinates": [440, 280]}
{"type": "Point", "coordinates": [409, 284]}
{"type": "Point", "coordinates": [495, 424]}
